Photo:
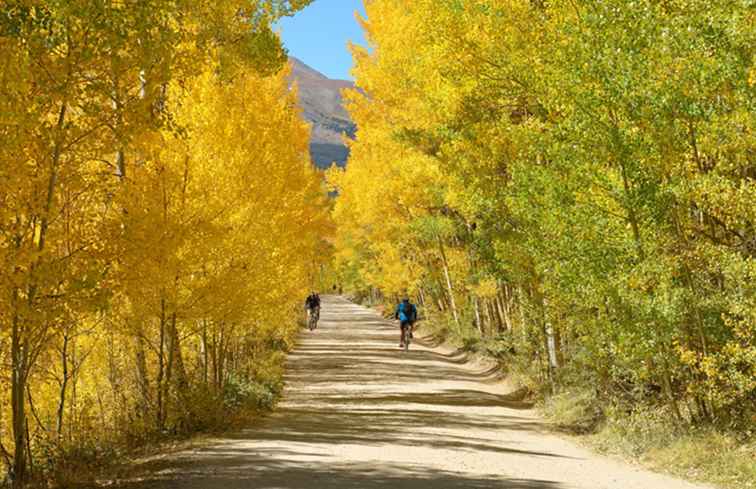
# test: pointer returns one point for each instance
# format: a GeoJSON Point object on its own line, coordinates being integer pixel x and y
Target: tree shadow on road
{"type": "Point", "coordinates": [350, 392]}
{"type": "Point", "coordinates": [291, 469]}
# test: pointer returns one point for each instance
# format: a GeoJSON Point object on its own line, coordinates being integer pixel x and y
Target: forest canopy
{"type": "Point", "coordinates": [572, 185]}
{"type": "Point", "coordinates": [159, 222]}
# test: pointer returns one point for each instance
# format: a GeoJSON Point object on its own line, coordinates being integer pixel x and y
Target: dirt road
{"type": "Point", "coordinates": [360, 413]}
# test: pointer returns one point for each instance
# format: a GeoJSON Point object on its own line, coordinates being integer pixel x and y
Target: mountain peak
{"type": "Point", "coordinates": [322, 106]}
{"type": "Point", "coordinates": [302, 70]}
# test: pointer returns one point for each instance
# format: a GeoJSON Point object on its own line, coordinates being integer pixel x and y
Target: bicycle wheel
{"type": "Point", "coordinates": [406, 336]}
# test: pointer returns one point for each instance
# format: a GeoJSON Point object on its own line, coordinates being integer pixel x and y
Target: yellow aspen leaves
{"type": "Point", "coordinates": [160, 222]}
{"type": "Point", "coordinates": [573, 181]}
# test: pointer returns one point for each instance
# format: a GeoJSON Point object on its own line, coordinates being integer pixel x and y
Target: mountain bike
{"type": "Point", "coordinates": [314, 316]}
{"type": "Point", "coordinates": [407, 336]}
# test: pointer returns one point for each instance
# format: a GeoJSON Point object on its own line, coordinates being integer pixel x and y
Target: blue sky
{"type": "Point", "coordinates": [318, 35]}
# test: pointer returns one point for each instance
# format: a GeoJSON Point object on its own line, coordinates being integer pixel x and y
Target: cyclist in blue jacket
{"type": "Point", "coordinates": [406, 313]}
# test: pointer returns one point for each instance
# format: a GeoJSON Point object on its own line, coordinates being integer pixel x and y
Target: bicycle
{"type": "Point", "coordinates": [406, 336]}
{"type": "Point", "coordinates": [314, 316]}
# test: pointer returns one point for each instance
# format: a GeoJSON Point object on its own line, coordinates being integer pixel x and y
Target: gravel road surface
{"type": "Point", "coordinates": [359, 413]}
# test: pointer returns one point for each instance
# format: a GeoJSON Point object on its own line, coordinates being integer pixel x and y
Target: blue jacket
{"type": "Point", "coordinates": [406, 311]}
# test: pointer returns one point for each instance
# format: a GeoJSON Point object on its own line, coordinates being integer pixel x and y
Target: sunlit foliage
{"type": "Point", "coordinates": [571, 181]}
{"type": "Point", "coordinates": [159, 222]}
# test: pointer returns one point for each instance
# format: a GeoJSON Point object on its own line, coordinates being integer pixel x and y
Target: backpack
{"type": "Point", "coordinates": [408, 310]}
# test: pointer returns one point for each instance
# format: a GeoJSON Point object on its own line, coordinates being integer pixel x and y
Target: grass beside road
{"type": "Point", "coordinates": [644, 436]}
{"type": "Point", "coordinates": [648, 438]}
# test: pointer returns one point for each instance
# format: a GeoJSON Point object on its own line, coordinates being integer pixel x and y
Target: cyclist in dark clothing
{"type": "Point", "coordinates": [406, 313]}
{"type": "Point", "coordinates": [312, 301]}
{"type": "Point", "coordinates": [312, 305]}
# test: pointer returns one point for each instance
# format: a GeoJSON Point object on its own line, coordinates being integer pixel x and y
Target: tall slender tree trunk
{"type": "Point", "coordinates": [159, 408]}
{"type": "Point", "coordinates": [75, 365]}
{"type": "Point", "coordinates": [29, 454]}
{"type": "Point", "coordinates": [166, 387]}
{"type": "Point", "coordinates": [142, 376]}
{"type": "Point", "coordinates": [490, 314]}
{"type": "Point", "coordinates": [63, 387]}
{"type": "Point", "coordinates": [550, 344]}
{"type": "Point", "coordinates": [220, 359]}
{"type": "Point", "coordinates": [632, 215]}
{"type": "Point", "coordinates": [502, 313]}
{"type": "Point", "coordinates": [476, 310]}
{"type": "Point", "coordinates": [667, 386]}
{"type": "Point", "coordinates": [424, 303]}
{"type": "Point", "coordinates": [447, 276]}
{"type": "Point", "coordinates": [182, 381]}
{"type": "Point", "coordinates": [20, 343]}
{"type": "Point", "coordinates": [505, 302]}
{"type": "Point", "coordinates": [521, 301]}
{"type": "Point", "coordinates": [19, 371]}
{"type": "Point", "coordinates": [214, 360]}
{"type": "Point", "coordinates": [205, 353]}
